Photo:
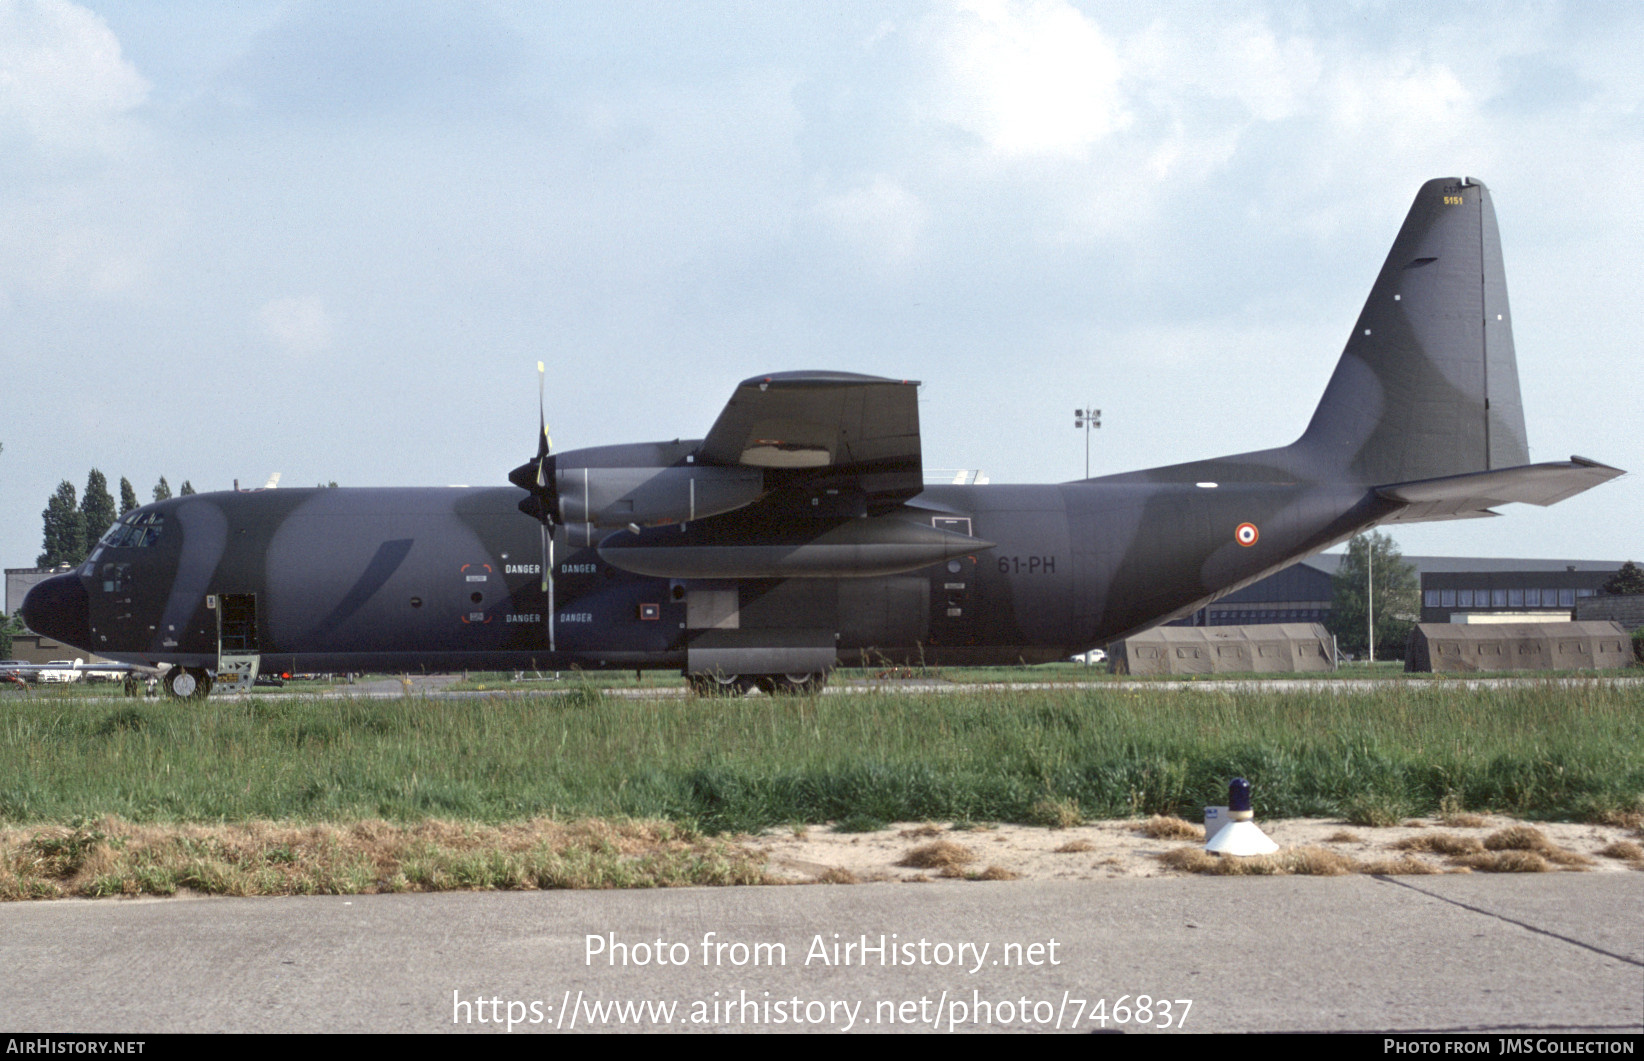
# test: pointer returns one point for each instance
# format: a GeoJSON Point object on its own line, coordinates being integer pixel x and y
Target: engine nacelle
{"type": "Point", "coordinates": [648, 484]}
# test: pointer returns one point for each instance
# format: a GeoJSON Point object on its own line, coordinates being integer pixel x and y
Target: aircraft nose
{"type": "Point", "coordinates": [60, 608]}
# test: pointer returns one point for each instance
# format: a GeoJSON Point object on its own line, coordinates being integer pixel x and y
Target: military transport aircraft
{"type": "Point", "coordinates": [798, 534]}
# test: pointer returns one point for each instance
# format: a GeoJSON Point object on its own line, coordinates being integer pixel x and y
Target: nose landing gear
{"type": "Point", "coordinates": [188, 683]}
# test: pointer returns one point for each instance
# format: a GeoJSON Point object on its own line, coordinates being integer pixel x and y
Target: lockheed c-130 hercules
{"type": "Point", "coordinates": [799, 533]}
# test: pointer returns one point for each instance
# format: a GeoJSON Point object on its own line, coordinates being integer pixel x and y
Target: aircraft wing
{"type": "Point", "coordinates": [835, 426]}
{"type": "Point", "coordinates": [1471, 496]}
{"type": "Point", "coordinates": [33, 669]}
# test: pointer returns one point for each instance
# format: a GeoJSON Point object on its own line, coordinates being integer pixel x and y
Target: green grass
{"type": "Point", "coordinates": [1533, 750]}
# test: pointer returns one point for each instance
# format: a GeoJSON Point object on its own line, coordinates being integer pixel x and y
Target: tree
{"type": "Point", "coordinates": [65, 529]}
{"type": "Point", "coordinates": [1396, 597]}
{"type": "Point", "coordinates": [187, 488]}
{"type": "Point", "coordinates": [128, 496]}
{"type": "Point", "coordinates": [162, 490]}
{"type": "Point", "coordinates": [97, 506]}
{"type": "Point", "coordinates": [1628, 580]}
{"type": "Point", "coordinates": [9, 625]}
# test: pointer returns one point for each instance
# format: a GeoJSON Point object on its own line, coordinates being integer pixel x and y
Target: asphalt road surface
{"type": "Point", "coordinates": [1517, 955]}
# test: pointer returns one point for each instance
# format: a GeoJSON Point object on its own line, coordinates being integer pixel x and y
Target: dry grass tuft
{"type": "Point", "coordinates": [921, 832]}
{"type": "Point", "coordinates": [1506, 862]}
{"type": "Point", "coordinates": [838, 875]}
{"type": "Point", "coordinates": [1164, 827]}
{"type": "Point", "coordinates": [1453, 814]}
{"type": "Point", "coordinates": [1189, 860]}
{"type": "Point", "coordinates": [1197, 860]}
{"type": "Point", "coordinates": [996, 873]}
{"type": "Point", "coordinates": [1625, 850]}
{"type": "Point", "coordinates": [1529, 838]}
{"type": "Point", "coordinates": [1517, 838]}
{"type": "Point", "coordinates": [1298, 861]}
{"type": "Point", "coordinates": [114, 857]}
{"type": "Point", "coordinates": [1441, 844]}
{"type": "Point", "coordinates": [1343, 837]}
{"type": "Point", "coordinates": [1074, 847]}
{"type": "Point", "coordinates": [1315, 862]}
{"type": "Point", "coordinates": [942, 854]}
{"type": "Point", "coordinates": [1404, 865]}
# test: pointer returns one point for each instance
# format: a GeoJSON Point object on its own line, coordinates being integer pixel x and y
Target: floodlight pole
{"type": "Point", "coordinates": [1087, 418]}
{"type": "Point", "coordinates": [1370, 591]}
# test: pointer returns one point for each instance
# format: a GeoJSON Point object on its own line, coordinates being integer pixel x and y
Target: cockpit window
{"type": "Point", "coordinates": [134, 531]}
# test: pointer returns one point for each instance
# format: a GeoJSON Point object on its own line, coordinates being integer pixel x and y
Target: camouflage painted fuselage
{"type": "Point", "coordinates": [451, 578]}
{"type": "Point", "coordinates": [795, 536]}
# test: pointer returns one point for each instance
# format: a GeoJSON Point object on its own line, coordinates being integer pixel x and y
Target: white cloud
{"type": "Point", "coordinates": [1401, 97]}
{"type": "Point", "coordinates": [297, 327]}
{"type": "Point", "coordinates": [1269, 77]}
{"type": "Point", "coordinates": [881, 215]}
{"type": "Point", "coordinates": [1034, 78]}
{"type": "Point", "coordinates": [63, 81]}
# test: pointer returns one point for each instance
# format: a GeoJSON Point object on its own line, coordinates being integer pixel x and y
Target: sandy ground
{"type": "Point", "coordinates": [1124, 849]}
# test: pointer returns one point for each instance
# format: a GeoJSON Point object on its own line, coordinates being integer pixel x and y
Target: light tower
{"type": "Point", "coordinates": [1087, 419]}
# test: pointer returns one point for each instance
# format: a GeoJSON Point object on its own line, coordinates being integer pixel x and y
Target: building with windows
{"type": "Point", "coordinates": [1453, 589]}
{"type": "Point", "coordinates": [1509, 591]}
{"type": "Point", "coordinates": [29, 646]}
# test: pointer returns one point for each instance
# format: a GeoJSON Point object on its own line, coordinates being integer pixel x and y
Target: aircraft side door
{"type": "Point", "coordinates": [954, 592]}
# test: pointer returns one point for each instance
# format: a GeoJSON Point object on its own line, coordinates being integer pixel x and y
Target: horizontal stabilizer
{"type": "Point", "coordinates": [1472, 495]}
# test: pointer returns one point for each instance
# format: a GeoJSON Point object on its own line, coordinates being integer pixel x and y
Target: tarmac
{"type": "Point", "coordinates": [1512, 955]}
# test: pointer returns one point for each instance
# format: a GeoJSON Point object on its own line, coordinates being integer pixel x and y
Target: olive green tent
{"type": "Point", "coordinates": [1450, 648]}
{"type": "Point", "coordinates": [1267, 649]}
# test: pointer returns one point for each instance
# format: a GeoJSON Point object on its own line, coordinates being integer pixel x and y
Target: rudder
{"type": "Point", "coordinates": [1427, 385]}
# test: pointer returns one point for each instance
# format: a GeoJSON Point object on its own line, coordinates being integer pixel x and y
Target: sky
{"type": "Point", "coordinates": [333, 239]}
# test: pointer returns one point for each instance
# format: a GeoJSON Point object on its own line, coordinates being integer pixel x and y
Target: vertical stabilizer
{"type": "Point", "coordinates": [1428, 383]}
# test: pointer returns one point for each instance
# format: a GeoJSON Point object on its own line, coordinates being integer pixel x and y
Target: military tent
{"type": "Point", "coordinates": [1270, 648]}
{"type": "Point", "coordinates": [1452, 648]}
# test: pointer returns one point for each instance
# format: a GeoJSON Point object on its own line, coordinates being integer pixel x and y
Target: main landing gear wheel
{"type": "Point", "coordinates": [720, 684]}
{"type": "Point", "coordinates": [188, 683]}
{"type": "Point", "coordinates": [802, 684]}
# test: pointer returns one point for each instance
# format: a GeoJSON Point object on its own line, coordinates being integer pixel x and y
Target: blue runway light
{"type": "Point", "coordinates": [1241, 835]}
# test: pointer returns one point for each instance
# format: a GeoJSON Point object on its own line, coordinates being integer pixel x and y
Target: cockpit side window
{"type": "Point", "coordinates": [135, 530]}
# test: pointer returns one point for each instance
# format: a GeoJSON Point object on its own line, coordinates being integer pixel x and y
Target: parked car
{"type": "Point", "coordinates": [59, 670]}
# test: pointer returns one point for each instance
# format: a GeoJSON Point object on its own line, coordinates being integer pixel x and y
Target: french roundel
{"type": "Point", "coordinates": [1246, 534]}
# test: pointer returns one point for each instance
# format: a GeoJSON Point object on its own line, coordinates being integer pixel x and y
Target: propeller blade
{"type": "Point", "coordinates": [537, 474]}
{"type": "Point", "coordinates": [544, 444]}
{"type": "Point", "coordinates": [548, 580]}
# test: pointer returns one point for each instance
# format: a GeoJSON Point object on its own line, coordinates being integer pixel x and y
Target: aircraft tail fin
{"type": "Point", "coordinates": [1427, 386]}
